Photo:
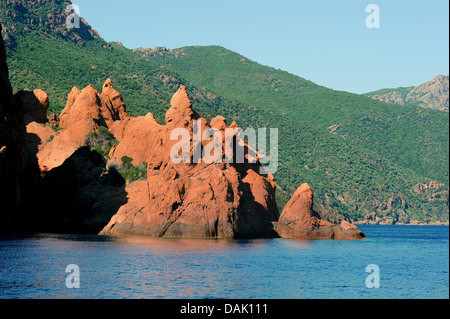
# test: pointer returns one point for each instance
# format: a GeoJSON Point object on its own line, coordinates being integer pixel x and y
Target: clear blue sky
{"type": "Point", "coordinates": [325, 41]}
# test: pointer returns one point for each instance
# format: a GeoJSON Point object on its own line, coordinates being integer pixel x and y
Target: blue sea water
{"type": "Point", "coordinates": [413, 263]}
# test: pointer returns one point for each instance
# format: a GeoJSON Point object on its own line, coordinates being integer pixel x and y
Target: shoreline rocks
{"type": "Point", "coordinates": [299, 220]}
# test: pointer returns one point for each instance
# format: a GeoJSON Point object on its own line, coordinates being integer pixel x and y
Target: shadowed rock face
{"type": "Point", "coordinates": [299, 220]}
{"type": "Point", "coordinates": [82, 196]}
{"type": "Point", "coordinates": [12, 151]}
{"type": "Point", "coordinates": [35, 104]}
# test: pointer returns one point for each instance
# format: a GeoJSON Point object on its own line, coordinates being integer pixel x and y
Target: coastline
{"type": "Point", "coordinates": [401, 224]}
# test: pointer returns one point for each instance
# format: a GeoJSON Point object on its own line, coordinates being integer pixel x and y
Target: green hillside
{"type": "Point", "coordinates": [359, 155]}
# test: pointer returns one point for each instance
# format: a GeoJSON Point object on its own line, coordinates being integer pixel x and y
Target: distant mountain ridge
{"type": "Point", "coordinates": [433, 94]}
{"type": "Point", "coordinates": [45, 16]}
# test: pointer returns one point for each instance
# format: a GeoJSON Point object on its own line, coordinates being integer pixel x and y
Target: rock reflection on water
{"type": "Point", "coordinates": [141, 267]}
{"type": "Point", "coordinates": [182, 244]}
{"type": "Point", "coordinates": [138, 266]}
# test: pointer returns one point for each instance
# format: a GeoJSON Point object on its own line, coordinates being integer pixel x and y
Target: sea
{"type": "Point", "coordinates": [394, 262]}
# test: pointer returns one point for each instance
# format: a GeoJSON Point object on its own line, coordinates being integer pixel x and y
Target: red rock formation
{"type": "Point", "coordinates": [188, 200]}
{"type": "Point", "coordinates": [85, 112]}
{"type": "Point", "coordinates": [84, 194]}
{"type": "Point", "coordinates": [217, 200]}
{"type": "Point", "coordinates": [299, 220]}
{"type": "Point", "coordinates": [117, 109]}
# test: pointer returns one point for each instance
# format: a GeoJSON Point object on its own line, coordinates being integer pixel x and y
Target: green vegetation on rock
{"type": "Point", "coordinates": [101, 141]}
{"type": "Point", "coordinates": [132, 173]}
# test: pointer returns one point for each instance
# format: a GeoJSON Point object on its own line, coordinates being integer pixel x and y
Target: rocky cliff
{"type": "Point", "coordinates": [432, 94]}
{"type": "Point", "coordinates": [12, 150]}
